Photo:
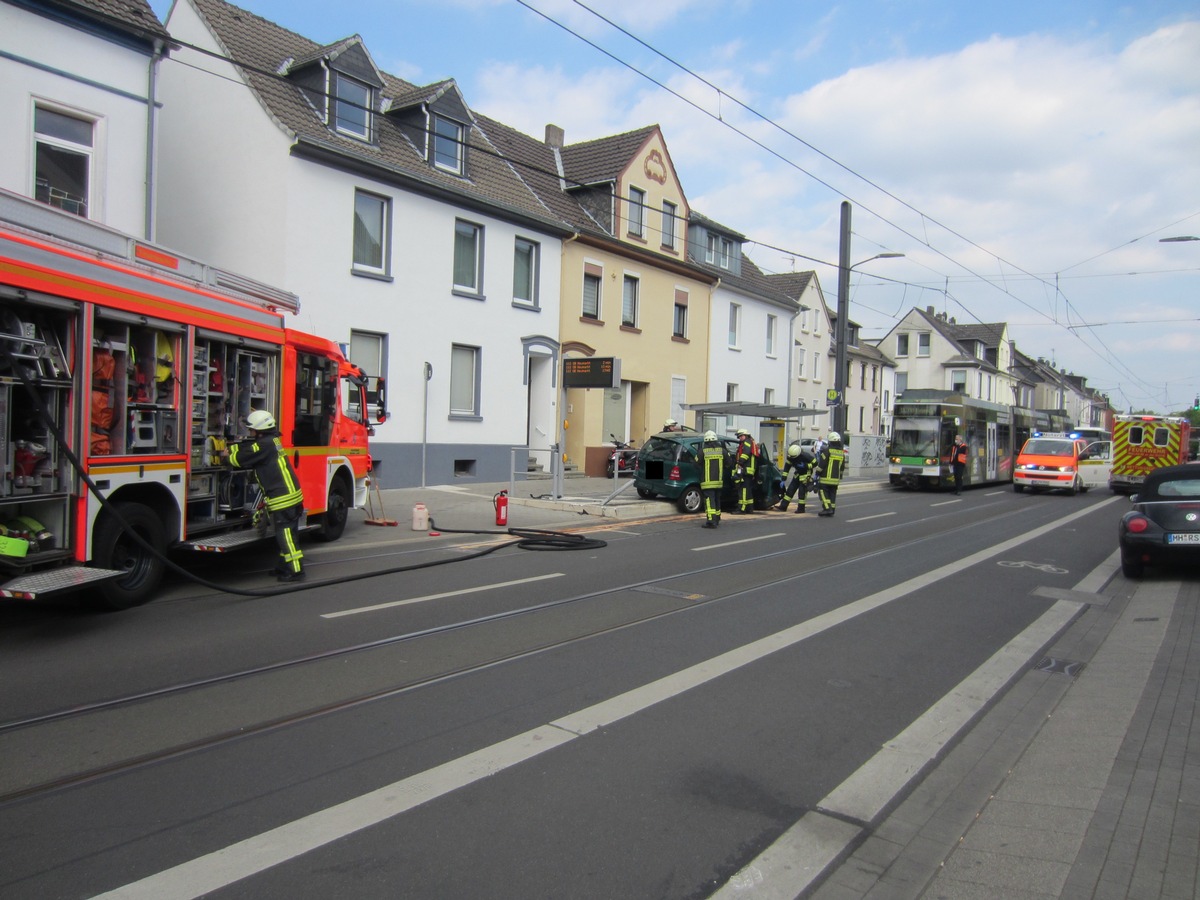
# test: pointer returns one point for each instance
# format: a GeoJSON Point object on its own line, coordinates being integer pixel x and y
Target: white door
{"type": "Point", "coordinates": [1095, 464]}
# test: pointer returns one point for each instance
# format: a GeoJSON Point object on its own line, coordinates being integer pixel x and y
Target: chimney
{"type": "Point", "coordinates": [929, 310]}
{"type": "Point", "coordinates": [554, 137]}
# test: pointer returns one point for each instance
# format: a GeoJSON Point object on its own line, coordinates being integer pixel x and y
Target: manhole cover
{"type": "Point", "coordinates": [1056, 666]}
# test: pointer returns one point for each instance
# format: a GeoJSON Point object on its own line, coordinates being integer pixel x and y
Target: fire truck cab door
{"type": "Point", "coordinates": [1095, 463]}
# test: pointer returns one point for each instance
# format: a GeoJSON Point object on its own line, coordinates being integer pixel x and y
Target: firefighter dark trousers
{"type": "Point", "coordinates": [285, 521]}
{"type": "Point", "coordinates": [712, 506]}
{"type": "Point", "coordinates": [827, 491]}
{"type": "Point", "coordinates": [795, 488]}
{"type": "Point", "coordinates": [743, 484]}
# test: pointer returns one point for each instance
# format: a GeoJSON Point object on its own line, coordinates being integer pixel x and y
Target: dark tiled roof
{"type": "Point", "coordinates": [262, 46]}
{"type": "Point", "coordinates": [714, 225]}
{"type": "Point", "coordinates": [791, 284]}
{"type": "Point", "coordinates": [601, 160]}
{"type": "Point", "coordinates": [133, 17]}
{"type": "Point", "coordinates": [751, 280]}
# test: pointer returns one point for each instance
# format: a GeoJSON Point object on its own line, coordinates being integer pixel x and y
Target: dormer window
{"type": "Point", "coordinates": [448, 141]}
{"type": "Point", "coordinates": [351, 107]}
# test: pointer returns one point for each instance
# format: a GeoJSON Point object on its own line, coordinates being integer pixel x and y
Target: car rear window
{"type": "Point", "coordinates": [660, 448]}
{"type": "Point", "coordinates": [1185, 487]}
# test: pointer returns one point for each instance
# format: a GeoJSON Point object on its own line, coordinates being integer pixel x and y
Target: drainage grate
{"type": "Point", "coordinates": [1056, 666]}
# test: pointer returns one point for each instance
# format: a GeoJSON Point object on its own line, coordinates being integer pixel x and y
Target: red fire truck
{"type": "Point", "coordinates": [124, 370]}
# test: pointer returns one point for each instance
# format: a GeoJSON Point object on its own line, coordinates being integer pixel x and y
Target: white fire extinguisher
{"type": "Point", "coordinates": [500, 501]}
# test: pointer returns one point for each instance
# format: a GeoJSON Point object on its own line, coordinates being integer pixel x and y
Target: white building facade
{"type": "Point", "coordinates": [78, 108]}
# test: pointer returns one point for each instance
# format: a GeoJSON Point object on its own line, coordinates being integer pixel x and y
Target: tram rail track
{"type": "Point", "coordinates": [109, 716]}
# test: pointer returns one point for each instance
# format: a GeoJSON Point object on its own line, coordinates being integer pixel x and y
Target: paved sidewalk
{"type": "Point", "coordinates": [1103, 801]}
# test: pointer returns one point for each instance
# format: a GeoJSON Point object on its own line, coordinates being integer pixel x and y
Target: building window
{"type": "Point", "coordinates": [371, 245]}
{"type": "Point", "coordinates": [769, 396]}
{"type": "Point", "coordinates": [731, 392]}
{"type": "Point", "coordinates": [874, 375]}
{"type": "Point", "coordinates": [525, 272]}
{"type": "Point", "coordinates": [63, 160]}
{"type": "Point", "coordinates": [679, 324]}
{"type": "Point", "coordinates": [637, 212]}
{"type": "Point", "coordinates": [448, 143]}
{"type": "Point", "coordinates": [351, 107]}
{"type": "Point", "coordinates": [800, 363]}
{"type": "Point", "coordinates": [958, 380]}
{"type": "Point", "coordinates": [902, 345]}
{"type": "Point", "coordinates": [668, 225]}
{"type": "Point", "coordinates": [772, 322]}
{"type": "Point", "coordinates": [468, 257]}
{"type": "Point", "coordinates": [368, 351]}
{"type": "Point", "coordinates": [464, 380]}
{"type": "Point", "coordinates": [901, 383]}
{"type": "Point", "coordinates": [629, 302]}
{"type": "Point", "coordinates": [923, 344]}
{"type": "Point", "coordinates": [862, 376]}
{"type": "Point", "coordinates": [710, 249]}
{"type": "Point", "coordinates": [726, 261]}
{"type": "Point", "coordinates": [816, 366]}
{"type": "Point", "coordinates": [735, 324]}
{"type": "Point", "coordinates": [591, 291]}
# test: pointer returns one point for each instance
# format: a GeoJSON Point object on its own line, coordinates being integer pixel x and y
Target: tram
{"type": "Point", "coordinates": [924, 423]}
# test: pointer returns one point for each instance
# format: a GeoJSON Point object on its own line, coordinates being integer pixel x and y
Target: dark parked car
{"type": "Point", "coordinates": [1164, 524]}
{"type": "Point", "coordinates": [668, 465]}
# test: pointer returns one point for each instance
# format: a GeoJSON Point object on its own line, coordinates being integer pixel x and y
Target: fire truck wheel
{"type": "Point", "coordinates": [114, 549]}
{"type": "Point", "coordinates": [333, 520]}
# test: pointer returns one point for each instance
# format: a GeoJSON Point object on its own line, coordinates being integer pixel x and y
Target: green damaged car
{"type": "Point", "coordinates": [668, 466]}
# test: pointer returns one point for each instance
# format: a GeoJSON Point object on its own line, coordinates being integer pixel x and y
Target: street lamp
{"type": "Point", "coordinates": [1182, 237]}
{"type": "Point", "coordinates": [843, 316]}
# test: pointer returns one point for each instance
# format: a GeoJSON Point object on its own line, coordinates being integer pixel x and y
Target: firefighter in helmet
{"type": "Point", "coordinates": [831, 459]}
{"type": "Point", "coordinates": [263, 452]}
{"type": "Point", "coordinates": [744, 468]}
{"type": "Point", "coordinates": [712, 454]}
{"type": "Point", "coordinates": [797, 472]}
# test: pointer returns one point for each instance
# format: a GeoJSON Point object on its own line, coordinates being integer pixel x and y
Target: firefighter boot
{"type": "Point", "coordinates": [783, 505]}
{"type": "Point", "coordinates": [800, 509]}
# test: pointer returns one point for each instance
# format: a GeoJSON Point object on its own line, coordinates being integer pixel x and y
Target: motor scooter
{"type": "Point", "coordinates": [621, 459]}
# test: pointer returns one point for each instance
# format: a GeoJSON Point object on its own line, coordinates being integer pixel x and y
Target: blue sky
{"type": "Point", "coordinates": [1025, 156]}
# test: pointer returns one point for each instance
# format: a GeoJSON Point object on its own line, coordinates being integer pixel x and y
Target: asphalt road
{"type": "Point", "coordinates": [634, 720]}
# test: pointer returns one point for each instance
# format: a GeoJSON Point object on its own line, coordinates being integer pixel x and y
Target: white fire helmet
{"type": "Point", "coordinates": [260, 420]}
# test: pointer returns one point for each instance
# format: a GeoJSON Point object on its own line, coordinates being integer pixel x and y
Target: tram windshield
{"type": "Point", "coordinates": [915, 437]}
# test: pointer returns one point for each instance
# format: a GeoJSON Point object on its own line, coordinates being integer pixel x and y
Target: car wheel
{"type": "Point", "coordinates": [1131, 566]}
{"type": "Point", "coordinates": [646, 493]}
{"type": "Point", "coordinates": [691, 500]}
{"type": "Point", "coordinates": [1018, 488]}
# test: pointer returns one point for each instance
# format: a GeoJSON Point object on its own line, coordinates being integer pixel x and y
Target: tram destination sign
{"type": "Point", "coordinates": [592, 372]}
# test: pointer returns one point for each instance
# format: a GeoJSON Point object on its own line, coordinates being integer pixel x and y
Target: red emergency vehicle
{"type": "Point", "coordinates": [131, 367]}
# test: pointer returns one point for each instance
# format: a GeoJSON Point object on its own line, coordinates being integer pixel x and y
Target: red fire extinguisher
{"type": "Point", "coordinates": [500, 501]}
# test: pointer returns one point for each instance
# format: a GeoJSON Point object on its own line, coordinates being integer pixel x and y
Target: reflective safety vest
{"type": "Point", "coordinates": [747, 454]}
{"type": "Point", "coordinates": [275, 475]}
{"type": "Point", "coordinates": [959, 455]}
{"type": "Point", "coordinates": [713, 462]}
{"type": "Point", "coordinates": [830, 465]}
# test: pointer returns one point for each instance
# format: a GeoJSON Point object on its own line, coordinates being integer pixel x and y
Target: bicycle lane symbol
{"type": "Point", "coordinates": [1039, 567]}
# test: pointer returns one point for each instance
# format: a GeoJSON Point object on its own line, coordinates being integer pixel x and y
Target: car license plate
{"type": "Point", "coordinates": [1183, 538]}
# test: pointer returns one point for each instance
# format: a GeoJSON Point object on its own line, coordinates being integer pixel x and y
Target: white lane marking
{"type": "Point", "coordinates": [803, 853]}
{"type": "Point", "coordinates": [761, 537]}
{"type": "Point", "coordinates": [443, 595]}
{"type": "Point", "coordinates": [256, 854]}
{"type": "Point", "coordinates": [943, 503]}
{"type": "Point", "coordinates": [869, 518]}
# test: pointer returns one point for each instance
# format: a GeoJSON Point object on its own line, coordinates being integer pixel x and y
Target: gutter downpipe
{"type": "Point", "coordinates": [151, 135]}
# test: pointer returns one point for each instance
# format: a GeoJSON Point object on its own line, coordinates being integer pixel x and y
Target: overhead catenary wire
{"type": "Point", "coordinates": [973, 275]}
